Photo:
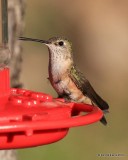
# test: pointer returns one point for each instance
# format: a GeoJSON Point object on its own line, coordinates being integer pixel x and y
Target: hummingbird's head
{"type": "Point", "coordinates": [60, 46]}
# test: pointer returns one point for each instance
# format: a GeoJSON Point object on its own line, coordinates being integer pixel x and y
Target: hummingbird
{"type": "Point", "coordinates": [68, 81]}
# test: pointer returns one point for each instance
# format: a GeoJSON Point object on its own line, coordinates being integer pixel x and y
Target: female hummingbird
{"type": "Point", "coordinates": [64, 76]}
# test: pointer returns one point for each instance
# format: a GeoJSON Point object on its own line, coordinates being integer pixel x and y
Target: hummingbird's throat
{"type": "Point", "coordinates": [58, 66]}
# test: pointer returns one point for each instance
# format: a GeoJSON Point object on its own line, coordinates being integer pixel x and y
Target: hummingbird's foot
{"type": "Point", "coordinates": [66, 96]}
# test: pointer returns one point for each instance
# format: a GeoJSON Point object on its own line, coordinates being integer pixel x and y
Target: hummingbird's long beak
{"type": "Point", "coordinates": [32, 39]}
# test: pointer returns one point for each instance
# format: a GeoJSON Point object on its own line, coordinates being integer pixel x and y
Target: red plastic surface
{"type": "Point", "coordinates": [4, 87]}
{"type": "Point", "coordinates": [30, 118]}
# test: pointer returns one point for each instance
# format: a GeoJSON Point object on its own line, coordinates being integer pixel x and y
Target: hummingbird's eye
{"type": "Point", "coordinates": [61, 43]}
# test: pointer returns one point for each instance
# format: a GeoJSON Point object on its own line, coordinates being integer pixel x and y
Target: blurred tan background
{"type": "Point", "coordinates": [99, 33]}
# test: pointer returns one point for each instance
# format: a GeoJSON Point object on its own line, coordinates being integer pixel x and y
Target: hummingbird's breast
{"type": "Point", "coordinates": [58, 67]}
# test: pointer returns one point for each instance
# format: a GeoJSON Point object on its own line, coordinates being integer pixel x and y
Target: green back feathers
{"type": "Point", "coordinates": [77, 77]}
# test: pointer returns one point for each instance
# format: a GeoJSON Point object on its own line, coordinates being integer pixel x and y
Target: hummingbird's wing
{"type": "Point", "coordinates": [83, 84]}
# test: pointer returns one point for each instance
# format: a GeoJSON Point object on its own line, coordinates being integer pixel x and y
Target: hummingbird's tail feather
{"type": "Point", "coordinates": [103, 121]}
{"type": "Point", "coordinates": [90, 92]}
{"type": "Point", "coordinates": [99, 102]}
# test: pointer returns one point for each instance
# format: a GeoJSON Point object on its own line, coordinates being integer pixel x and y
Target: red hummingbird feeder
{"type": "Point", "coordinates": [29, 118]}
